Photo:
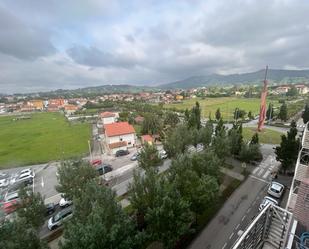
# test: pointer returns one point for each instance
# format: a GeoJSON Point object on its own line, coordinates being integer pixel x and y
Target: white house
{"type": "Point", "coordinates": [108, 117]}
{"type": "Point", "coordinates": [119, 136]}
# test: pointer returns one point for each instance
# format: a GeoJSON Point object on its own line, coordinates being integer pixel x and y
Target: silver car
{"type": "Point", "coordinates": [57, 220]}
{"type": "Point", "coordinates": [275, 189]}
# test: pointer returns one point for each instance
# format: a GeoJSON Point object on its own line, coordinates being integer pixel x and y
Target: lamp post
{"type": "Point", "coordinates": [90, 150]}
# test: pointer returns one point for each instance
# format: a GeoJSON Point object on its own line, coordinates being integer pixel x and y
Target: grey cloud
{"type": "Point", "coordinates": [21, 41]}
{"type": "Point", "coordinates": [94, 57]}
{"type": "Point", "coordinates": [242, 23]}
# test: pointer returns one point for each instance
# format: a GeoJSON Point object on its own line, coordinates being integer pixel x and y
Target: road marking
{"type": "Point", "coordinates": [237, 226]}
{"type": "Point", "coordinates": [253, 203]}
{"type": "Point", "coordinates": [254, 177]}
{"type": "Point", "coordinates": [249, 209]}
{"type": "Point", "coordinates": [224, 245]}
{"type": "Point", "coordinates": [231, 235]}
{"type": "Point", "coordinates": [42, 182]}
{"type": "Point", "coordinates": [255, 170]}
{"type": "Point", "coordinates": [266, 174]}
{"type": "Point", "coordinates": [260, 172]}
{"type": "Point", "coordinates": [242, 219]}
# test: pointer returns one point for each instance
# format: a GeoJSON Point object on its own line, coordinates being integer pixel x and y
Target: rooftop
{"type": "Point", "coordinates": [117, 129]}
{"type": "Point", "coordinates": [107, 114]}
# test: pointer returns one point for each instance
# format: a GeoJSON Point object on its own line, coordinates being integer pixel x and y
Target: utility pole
{"type": "Point", "coordinates": [89, 146]}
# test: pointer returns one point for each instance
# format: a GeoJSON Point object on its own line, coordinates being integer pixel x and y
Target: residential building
{"type": "Point", "coordinates": [37, 104]}
{"type": "Point", "coordinates": [179, 97]}
{"type": "Point", "coordinates": [70, 109]}
{"type": "Point", "coordinates": [52, 108]}
{"type": "Point", "coordinates": [282, 89]}
{"type": "Point", "coordinates": [147, 139]}
{"type": "Point", "coordinates": [57, 102]}
{"type": "Point", "coordinates": [119, 136]}
{"type": "Point", "coordinates": [108, 117]}
{"type": "Point", "coordinates": [139, 119]}
{"type": "Point", "coordinates": [302, 89]}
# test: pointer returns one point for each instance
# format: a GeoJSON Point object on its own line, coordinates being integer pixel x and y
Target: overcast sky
{"type": "Point", "coordinates": [54, 44]}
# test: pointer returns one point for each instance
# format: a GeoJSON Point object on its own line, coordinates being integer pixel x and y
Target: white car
{"type": "Point", "coordinates": [26, 177]}
{"type": "Point", "coordinates": [64, 202]}
{"type": "Point", "coordinates": [162, 154]}
{"type": "Point", "coordinates": [56, 220]}
{"type": "Point", "coordinates": [275, 189]}
{"type": "Point", "coordinates": [4, 183]}
{"type": "Point", "coordinates": [267, 200]}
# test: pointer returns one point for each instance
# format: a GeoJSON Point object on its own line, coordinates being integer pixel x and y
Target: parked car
{"type": "Point", "coordinates": [122, 153]}
{"type": "Point", "coordinates": [65, 202]}
{"type": "Point", "coordinates": [11, 202]}
{"type": "Point", "coordinates": [4, 183]}
{"type": "Point", "coordinates": [135, 156]}
{"type": "Point", "coordinates": [275, 189]}
{"type": "Point", "coordinates": [27, 171]}
{"type": "Point", "coordinates": [50, 208]}
{"type": "Point", "coordinates": [26, 176]}
{"type": "Point", "coordinates": [96, 162]}
{"type": "Point", "coordinates": [104, 168]}
{"type": "Point", "coordinates": [162, 154]}
{"type": "Point", "coordinates": [10, 207]}
{"type": "Point", "coordinates": [265, 202]}
{"type": "Point", "coordinates": [58, 219]}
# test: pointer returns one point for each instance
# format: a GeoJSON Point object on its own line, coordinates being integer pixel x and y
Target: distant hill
{"type": "Point", "coordinates": [96, 90]}
{"type": "Point", "coordinates": [274, 76]}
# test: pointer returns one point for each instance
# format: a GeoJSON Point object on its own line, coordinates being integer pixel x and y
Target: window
{"type": "Point", "coordinates": [129, 142]}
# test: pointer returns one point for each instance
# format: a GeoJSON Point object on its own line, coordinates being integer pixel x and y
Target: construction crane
{"type": "Point", "coordinates": [263, 103]}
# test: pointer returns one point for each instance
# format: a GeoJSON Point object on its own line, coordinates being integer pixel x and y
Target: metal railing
{"type": "Point", "coordinates": [270, 227]}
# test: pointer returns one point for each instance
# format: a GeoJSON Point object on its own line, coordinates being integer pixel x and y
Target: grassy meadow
{"type": "Point", "coordinates": [266, 136]}
{"type": "Point", "coordinates": [227, 105]}
{"type": "Point", "coordinates": [42, 138]}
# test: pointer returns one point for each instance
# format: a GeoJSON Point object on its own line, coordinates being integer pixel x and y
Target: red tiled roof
{"type": "Point", "coordinates": [117, 129]}
{"type": "Point", "coordinates": [107, 114]}
{"type": "Point", "coordinates": [117, 144]}
{"type": "Point", "coordinates": [139, 119]}
{"type": "Point", "coordinates": [147, 138]}
{"type": "Point", "coordinates": [71, 107]}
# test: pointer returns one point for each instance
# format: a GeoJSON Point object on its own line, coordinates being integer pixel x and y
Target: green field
{"type": "Point", "coordinates": [227, 106]}
{"type": "Point", "coordinates": [44, 137]}
{"type": "Point", "coordinates": [266, 136]}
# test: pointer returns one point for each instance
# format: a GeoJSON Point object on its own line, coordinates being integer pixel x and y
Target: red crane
{"type": "Point", "coordinates": [263, 103]}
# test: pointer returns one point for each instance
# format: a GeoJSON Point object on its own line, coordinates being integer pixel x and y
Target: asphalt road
{"type": "Point", "coordinates": [239, 210]}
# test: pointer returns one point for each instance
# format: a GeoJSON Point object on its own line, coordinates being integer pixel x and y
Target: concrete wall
{"type": "Point", "coordinates": [129, 138]}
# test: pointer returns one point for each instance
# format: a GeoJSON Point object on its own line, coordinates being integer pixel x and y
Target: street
{"type": "Point", "coordinates": [240, 208]}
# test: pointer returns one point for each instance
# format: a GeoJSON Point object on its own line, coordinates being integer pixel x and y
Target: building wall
{"type": "Point", "coordinates": [129, 138]}
{"type": "Point", "coordinates": [301, 210]}
{"type": "Point", "coordinates": [108, 120]}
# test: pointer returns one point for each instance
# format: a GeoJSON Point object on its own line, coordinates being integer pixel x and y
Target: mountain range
{"type": "Point", "coordinates": [278, 76]}
{"type": "Point", "coordinates": [274, 76]}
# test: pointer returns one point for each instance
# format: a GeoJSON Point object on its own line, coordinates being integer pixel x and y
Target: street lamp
{"type": "Point", "coordinates": [90, 150]}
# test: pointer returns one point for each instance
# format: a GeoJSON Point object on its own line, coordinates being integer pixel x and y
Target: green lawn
{"type": "Point", "coordinates": [44, 137]}
{"type": "Point", "coordinates": [266, 136]}
{"type": "Point", "coordinates": [227, 105]}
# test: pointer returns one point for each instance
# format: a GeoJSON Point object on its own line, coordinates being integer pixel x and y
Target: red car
{"type": "Point", "coordinates": [96, 162]}
{"type": "Point", "coordinates": [10, 207]}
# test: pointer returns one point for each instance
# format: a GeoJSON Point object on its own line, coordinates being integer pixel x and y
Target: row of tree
{"type": "Point", "coordinates": [221, 141]}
